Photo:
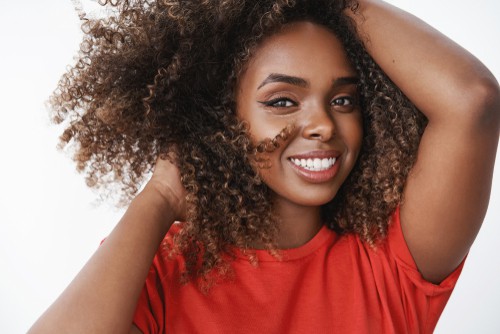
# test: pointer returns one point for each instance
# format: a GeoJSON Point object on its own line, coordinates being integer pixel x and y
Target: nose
{"type": "Point", "coordinates": [319, 125]}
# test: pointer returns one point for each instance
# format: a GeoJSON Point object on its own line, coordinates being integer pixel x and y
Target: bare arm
{"type": "Point", "coordinates": [103, 296]}
{"type": "Point", "coordinates": [447, 192]}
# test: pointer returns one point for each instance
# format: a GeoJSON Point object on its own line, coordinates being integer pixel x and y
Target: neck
{"type": "Point", "coordinates": [298, 224]}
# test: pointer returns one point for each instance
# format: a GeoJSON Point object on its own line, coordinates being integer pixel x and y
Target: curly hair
{"type": "Point", "coordinates": [155, 76]}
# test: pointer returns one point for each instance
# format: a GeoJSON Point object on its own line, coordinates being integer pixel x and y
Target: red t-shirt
{"type": "Point", "coordinates": [332, 284]}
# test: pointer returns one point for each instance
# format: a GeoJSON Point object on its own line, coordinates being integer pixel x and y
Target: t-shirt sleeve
{"type": "Point", "coordinates": [150, 311]}
{"type": "Point", "coordinates": [399, 250]}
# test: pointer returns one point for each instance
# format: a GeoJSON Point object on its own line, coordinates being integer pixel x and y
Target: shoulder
{"type": "Point", "coordinates": [395, 249]}
{"type": "Point", "coordinates": [167, 261]}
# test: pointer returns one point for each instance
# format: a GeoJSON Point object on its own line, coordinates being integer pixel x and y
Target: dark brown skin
{"type": "Point", "coordinates": [444, 201]}
{"type": "Point", "coordinates": [447, 193]}
{"type": "Point", "coordinates": [146, 82]}
{"type": "Point", "coordinates": [325, 114]}
{"type": "Point", "coordinates": [102, 297]}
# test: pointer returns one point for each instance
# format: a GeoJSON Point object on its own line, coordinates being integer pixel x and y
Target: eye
{"type": "Point", "coordinates": [343, 101]}
{"type": "Point", "coordinates": [344, 104]}
{"type": "Point", "coordinates": [279, 102]}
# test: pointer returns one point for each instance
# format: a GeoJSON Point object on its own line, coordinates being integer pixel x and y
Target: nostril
{"type": "Point", "coordinates": [320, 126]}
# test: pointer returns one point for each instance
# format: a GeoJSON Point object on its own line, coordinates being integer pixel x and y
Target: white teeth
{"type": "Point", "coordinates": [316, 164]}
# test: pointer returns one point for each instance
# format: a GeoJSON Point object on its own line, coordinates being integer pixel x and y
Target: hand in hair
{"type": "Point", "coordinates": [166, 180]}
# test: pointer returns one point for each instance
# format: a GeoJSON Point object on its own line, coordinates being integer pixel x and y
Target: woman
{"type": "Point", "coordinates": [283, 142]}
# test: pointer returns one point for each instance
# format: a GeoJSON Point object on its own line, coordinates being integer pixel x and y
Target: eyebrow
{"type": "Point", "coordinates": [276, 77]}
{"type": "Point", "coordinates": [296, 81]}
{"type": "Point", "coordinates": [344, 81]}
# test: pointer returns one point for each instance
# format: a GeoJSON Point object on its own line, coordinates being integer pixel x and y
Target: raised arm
{"type": "Point", "coordinates": [447, 192]}
{"type": "Point", "coordinates": [103, 296]}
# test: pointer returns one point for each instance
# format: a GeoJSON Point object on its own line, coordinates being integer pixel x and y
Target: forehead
{"type": "Point", "coordinates": [302, 49]}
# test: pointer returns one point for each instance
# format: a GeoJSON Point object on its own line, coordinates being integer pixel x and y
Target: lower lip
{"type": "Point", "coordinates": [317, 176]}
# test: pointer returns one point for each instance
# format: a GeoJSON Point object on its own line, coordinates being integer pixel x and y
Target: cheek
{"type": "Point", "coordinates": [259, 127]}
{"type": "Point", "coordinates": [268, 150]}
{"type": "Point", "coordinates": [358, 138]}
{"type": "Point", "coordinates": [352, 131]}
{"type": "Point", "coordinates": [264, 127]}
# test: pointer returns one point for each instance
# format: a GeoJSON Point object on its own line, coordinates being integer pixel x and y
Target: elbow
{"type": "Point", "coordinates": [484, 104]}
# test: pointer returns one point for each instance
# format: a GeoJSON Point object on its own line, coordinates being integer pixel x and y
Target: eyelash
{"type": "Point", "coordinates": [348, 98]}
{"type": "Point", "coordinates": [272, 103]}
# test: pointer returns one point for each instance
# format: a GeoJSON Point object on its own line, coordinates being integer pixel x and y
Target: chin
{"type": "Point", "coordinates": [313, 199]}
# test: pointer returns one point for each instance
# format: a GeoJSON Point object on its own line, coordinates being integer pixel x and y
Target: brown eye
{"type": "Point", "coordinates": [343, 101]}
{"type": "Point", "coordinates": [344, 104]}
{"type": "Point", "coordinates": [280, 102]}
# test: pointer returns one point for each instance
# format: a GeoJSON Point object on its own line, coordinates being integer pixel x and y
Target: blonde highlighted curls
{"type": "Point", "coordinates": [162, 74]}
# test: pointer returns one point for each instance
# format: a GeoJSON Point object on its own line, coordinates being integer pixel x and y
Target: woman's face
{"type": "Point", "coordinates": [301, 76]}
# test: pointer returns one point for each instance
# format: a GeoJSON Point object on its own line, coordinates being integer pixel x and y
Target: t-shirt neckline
{"type": "Point", "coordinates": [323, 235]}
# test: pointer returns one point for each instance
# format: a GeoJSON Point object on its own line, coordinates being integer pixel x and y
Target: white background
{"type": "Point", "coordinates": [49, 222]}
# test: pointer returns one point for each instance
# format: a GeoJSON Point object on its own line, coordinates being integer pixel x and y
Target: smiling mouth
{"type": "Point", "coordinates": [314, 164]}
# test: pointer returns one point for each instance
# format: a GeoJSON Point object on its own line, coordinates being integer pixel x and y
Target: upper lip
{"type": "Point", "coordinates": [316, 155]}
